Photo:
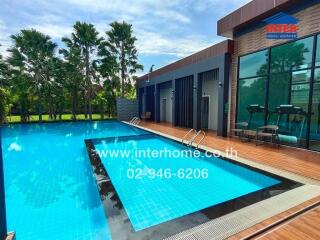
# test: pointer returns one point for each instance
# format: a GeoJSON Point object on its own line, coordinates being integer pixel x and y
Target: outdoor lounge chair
{"type": "Point", "coordinates": [146, 116]}
{"type": "Point", "coordinates": [268, 133]}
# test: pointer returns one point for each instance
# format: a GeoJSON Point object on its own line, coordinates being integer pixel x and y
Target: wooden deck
{"type": "Point", "coordinates": [298, 161]}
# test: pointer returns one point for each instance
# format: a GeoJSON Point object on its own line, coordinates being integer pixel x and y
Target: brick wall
{"type": "Point", "coordinates": [127, 109]}
{"type": "Point", "coordinates": [255, 40]}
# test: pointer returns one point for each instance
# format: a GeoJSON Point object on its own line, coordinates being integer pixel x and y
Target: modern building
{"type": "Point", "coordinates": [270, 60]}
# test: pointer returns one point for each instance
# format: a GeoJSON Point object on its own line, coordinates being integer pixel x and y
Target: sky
{"type": "Point", "coordinates": [167, 30]}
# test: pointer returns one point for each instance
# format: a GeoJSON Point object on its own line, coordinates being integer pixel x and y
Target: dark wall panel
{"type": "Point", "coordinates": [140, 96]}
{"type": "Point", "coordinates": [184, 102]}
{"type": "Point", "coordinates": [150, 104]}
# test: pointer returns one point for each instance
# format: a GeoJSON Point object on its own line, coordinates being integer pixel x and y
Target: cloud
{"type": "Point", "coordinates": [155, 43]}
{"type": "Point", "coordinates": [164, 9]}
{"type": "Point", "coordinates": [218, 7]}
{"type": "Point", "coordinates": [4, 39]}
{"type": "Point", "coordinates": [163, 28]}
{"type": "Point", "coordinates": [53, 30]}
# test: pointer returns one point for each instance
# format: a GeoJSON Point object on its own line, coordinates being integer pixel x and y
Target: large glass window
{"type": "Point", "coordinates": [318, 52]}
{"type": "Point", "coordinates": [279, 86]}
{"type": "Point", "coordinates": [289, 80]}
{"type": "Point", "coordinates": [315, 114]}
{"type": "Point", "coordinates": [292, 56]}
{"type": "Point", "coordinates": [251, 92]}
{"type": "Point", "coordinates": [254, 64]}
{"type": "Point", "coordinates": [252, 83]}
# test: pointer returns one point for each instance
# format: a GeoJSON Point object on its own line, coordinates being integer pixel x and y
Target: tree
{"type": "Point", "coordinates": [73, 67]}
{"type": "Point", "coordinates": [86, 37]}
{"type": "Point", "coordinates": [3, 72]}
{"type": "Point", "coordinates": [57, 90]}
{"type": "Point", "coordinates": [20, 82]}
{"type": "Point", "coordinates": [4, 97]}
{"type": "Point", "coordinates": [121, 44]}
{"type": "Point", "coordinates": [107, 67]}
{"type": "Point", "coordinates": [37, 50]}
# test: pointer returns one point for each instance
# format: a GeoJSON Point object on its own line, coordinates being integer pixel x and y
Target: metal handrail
{"type": "Point", "coordinates": [132, 120]}
{"type": "Point", "coordinates": [203, 136]}
{"type": "Point", "coordinates": [191, 130]}
{"type": "Point", "coordinates": [194, 138]}
{"type": "Point", "coordinates": [137, 122]}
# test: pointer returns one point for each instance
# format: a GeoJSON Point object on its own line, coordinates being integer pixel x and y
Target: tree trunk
{"type": "Point", "coordinates": [85, 105]}
{"type": "Point", "coordinates": [74, 105]}
{"type": "Point", "coordinates": [88, 81]}
{"type": "Point", "coordinates": [123, 75]}
{"type": "Point", "coordinates": [101, 111]}
{"type": "Point", "coordinates": [40, 108]}
{"type": "Point", "coordinates": [89, 104]}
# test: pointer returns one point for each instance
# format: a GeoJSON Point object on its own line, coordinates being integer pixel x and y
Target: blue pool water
{"type": "Point", "coordinates": [150, 200]}
{"type": "Point", "coordinates": [50, 190]}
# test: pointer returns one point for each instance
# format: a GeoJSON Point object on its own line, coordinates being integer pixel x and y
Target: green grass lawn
{"type": "Point", "coordinates": [45, 118]}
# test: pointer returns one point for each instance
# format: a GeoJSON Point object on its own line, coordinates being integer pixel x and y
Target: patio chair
{"type": "Point", "coordinates": [242, 129]}
{"type": "Point", "coordinates": [146, 116]}
{"type": "Point", "coordinates": [268, 133]}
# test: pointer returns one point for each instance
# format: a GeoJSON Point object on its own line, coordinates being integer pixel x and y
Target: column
{"type": "Point", "coordinates": [197, 94]}
{"type": "Point", "coordinates": [223, 104]}
{"type": "Point", "coordinates": [157, 103]}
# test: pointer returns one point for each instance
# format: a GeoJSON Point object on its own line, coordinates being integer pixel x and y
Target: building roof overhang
{"type": "Point", "coordinates": [224, 47]}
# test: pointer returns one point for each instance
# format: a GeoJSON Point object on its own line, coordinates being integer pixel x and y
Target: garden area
{"type": "Point", "coordinates": [78, 79]}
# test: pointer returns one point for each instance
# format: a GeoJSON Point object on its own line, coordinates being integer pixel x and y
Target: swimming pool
{"type": "Point", "coordinates": [50, 190]}
{"type": "Point", "coordinates": [154, 195]}
{"type": "Point", "coordinates": [55, 191]}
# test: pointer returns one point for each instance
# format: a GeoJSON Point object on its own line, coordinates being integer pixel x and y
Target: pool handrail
{"type": "Point", "coordinates": [133, 119]}
{"type": "Point", "coordinates": [195, 136]}
{"type": "Point", "coordinates": [184, 137]}
{"type": "Point", "coordinates": [203, 136]}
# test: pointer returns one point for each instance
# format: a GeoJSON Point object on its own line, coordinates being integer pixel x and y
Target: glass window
{"type": "Point", "coordinates": [318, 52]}
{"type": "Point", "coordinates": [289, 87]}
{"type": "Point", "coordinates": [292, 56]}
{"type": "Point", "coordinates": [279, 87]}
{"type": "Point", "coordinates": [254, 64]}
{"type": "Point", "coordinates": [317, 75]}
{"type": "Point", "coordinates": [300, 88]}
{"type": "Point", "coordinates": [302, 76]}
{"type": "Point", "coordinates": [251, 91]}
{"type": "Point", "coordinates": [315, 115]}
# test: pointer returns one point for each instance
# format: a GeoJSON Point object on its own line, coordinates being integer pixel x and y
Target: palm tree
{"type": "Point", "coordinates": [3, 72]}
{"type": "Point", "coordinates": [73, 67]}
{"type": "Point", "coordinates": [86, 37]}
{"type": "Point", "coordinates": [20, 82]}
{"type": "Point", "coordinates": [37, 50]}
{"type": "Point", "coordinates": [4, 103]}
{"type": "Point", "coordinates": [121, 44]}
{"type": "Point", "coordinates": [107, 67]}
